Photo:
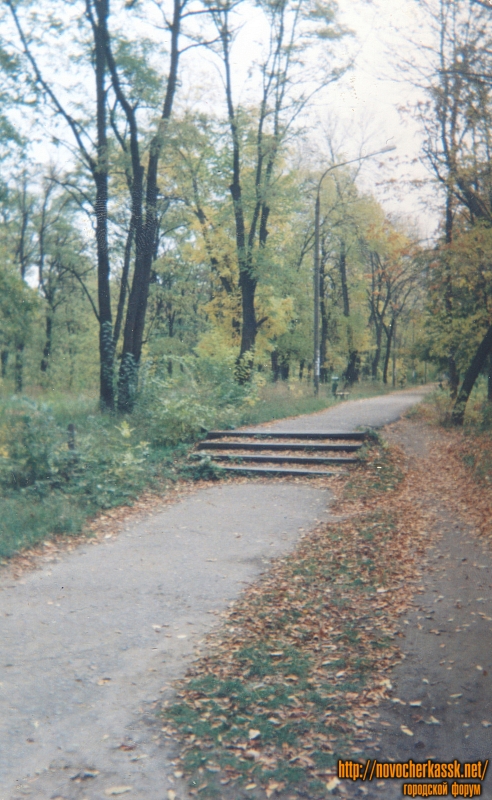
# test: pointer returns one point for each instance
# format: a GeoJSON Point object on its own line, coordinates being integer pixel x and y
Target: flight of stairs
{"type": "Point", "coordinates": [271, 453]}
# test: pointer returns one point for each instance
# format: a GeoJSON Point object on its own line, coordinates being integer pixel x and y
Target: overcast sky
{"type": "Point", "coordinates": [372, 92]}
{"type": "Point", "coordinates": [361, 107]}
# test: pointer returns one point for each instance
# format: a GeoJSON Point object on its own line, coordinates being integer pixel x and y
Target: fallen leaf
{"type": "Point", "coordinates": [432, 721]}
{"type": "Point", "coordinates": [479, 667]}
{"type": "Point", "coordinates": [406, 730]}
{"type": "Point", "coordinates": [486, 724]}
{"type": "Point", "coordinates": [254, 734]}
{"type": "Point", "coordinates": [85, 775]}
{"type": "Point", "coordinates": [171, 794]}
{"type": "Point", "coordinates": [332, 784]}
{"type": "Point", "coordinates": [415, 703]}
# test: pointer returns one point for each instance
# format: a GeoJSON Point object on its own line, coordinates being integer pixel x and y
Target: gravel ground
{"type": "Point", "coordinates": [91, 641]}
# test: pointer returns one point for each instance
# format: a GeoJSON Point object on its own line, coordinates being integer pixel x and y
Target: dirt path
{"type": "Point", "coordinates": [90, 642]}
{"type": "Point", "coordinates": [441, 704]}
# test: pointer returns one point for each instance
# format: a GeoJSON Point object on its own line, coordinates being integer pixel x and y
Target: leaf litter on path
{"type": "Point", "coordinates": [293, 677]}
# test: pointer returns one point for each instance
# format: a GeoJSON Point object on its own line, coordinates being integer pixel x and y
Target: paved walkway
{"type": "Point", "coordinates": [88, 642]}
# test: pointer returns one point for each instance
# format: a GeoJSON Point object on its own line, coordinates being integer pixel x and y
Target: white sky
{"type": "Point", "coordinates": [360, 108]}
{"type": "Point", "coordinates": [363, 106]}
{"type": "Point", "coordinates": [374, 90]}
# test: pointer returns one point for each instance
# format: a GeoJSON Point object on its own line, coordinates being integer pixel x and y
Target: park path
{"type": "Point", "coordinates": [90, 642]}
{"type": "Point", "coordinates": [440, 704]}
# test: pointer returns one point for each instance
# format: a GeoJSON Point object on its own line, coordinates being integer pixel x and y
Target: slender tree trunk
{"type": "Point", "coordinates": [377, 354]}
{"type": "Point", "coordinates": [124, 281]}
{"type": "Point", "coordinates": [47, 344]}
{"type": "Point", "coordinates": [351, 374]}
{"type": "Point", "coordinates": [323, 312]}
{"type": "Point", "coordinates": [393, 377]}
{"type": "Point", "coordinates": [247, 285]}
{"type": "Point", "coordinates": [275, 365]}
{"type": "Point", "coordinates": [146, 236]}
{"type": "Point", "coordinates": [389, 339]}
{"type": "Point", "coordinates": [106, 345]}
{"type": "Point", "coordinates": [472, 373]}
{"type": "Point", "coordinates": [489, 380]}
{"type": "Point", "coordinates": [4, 357]}
{"type": "Point", "coordinates": [454, 378]}
{"type": "Point", "coordinates": [343, 277]}
{"type": "Point", "coordinates": [19, 367]}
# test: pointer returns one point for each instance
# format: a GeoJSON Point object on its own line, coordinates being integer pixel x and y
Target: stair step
{"type": "Point", "coordinates": [286, 459]}
{"type": "Point", "coordinates": [349, 435]}
{"type": "Point", "coordinates": [281, 471]}
{"type": "Point", "coordinates": [277, 446]}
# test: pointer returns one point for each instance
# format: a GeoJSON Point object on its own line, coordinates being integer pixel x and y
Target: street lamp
{"type": "Point", "coordinates": [316, 256]}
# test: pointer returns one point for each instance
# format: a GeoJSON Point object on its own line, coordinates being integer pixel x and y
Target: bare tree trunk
{"type": "Point", "coordinates": [145, 234]}
{"type": "Point", "coordinates": [19, 367]}
{"type": "Point", "coordinates": [472, 373]}
{"type": "Point", "coordinates": [377, 354]}
{"type": "Point", "coordinates": [4, 357]}
{"type": "Point", "coordinates": [342, 263]}
{"type": "Point", "coordinates": [47, 344]}
{"type": "Point", "coordinates": [275, 365]}
{"type": "Point", "coordinates": [100, 175]}
{"type": "Point", "coordinates": [323, 309]}
{"type": "Point", "coordinates": [389, 339]}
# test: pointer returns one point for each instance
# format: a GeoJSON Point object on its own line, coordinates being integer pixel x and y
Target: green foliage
{"type": "Point", "coordinates": [105, 467]}
{"type": "Point", "coordinates": [202, 393]}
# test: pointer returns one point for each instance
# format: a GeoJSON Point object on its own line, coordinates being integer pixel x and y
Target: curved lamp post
{"type": "Point", "coordinates": [316, 255]}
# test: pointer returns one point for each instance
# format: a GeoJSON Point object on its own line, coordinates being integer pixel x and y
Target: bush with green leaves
{"type": "Point", "coordinates": [202, 394]}
{"type": "Point", "coordinates": [105, 467]}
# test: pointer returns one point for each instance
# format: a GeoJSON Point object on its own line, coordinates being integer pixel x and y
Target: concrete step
{"type": "Point", "coordinates": [348, 435]}
{"type": "Point", "coordinates": [278, 446]}
{"type": "Point", "coordinates": [286, 459]}
{"type": "Point", "coordinates": [281, 471]}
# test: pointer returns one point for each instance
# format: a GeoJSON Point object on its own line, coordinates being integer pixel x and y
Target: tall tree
{"type": "Point", "coordinates": [93, 155]}
{"type": "Point", "coordinates": [457, 117]}
{"type": "Point", "coordinates": [292, 25]}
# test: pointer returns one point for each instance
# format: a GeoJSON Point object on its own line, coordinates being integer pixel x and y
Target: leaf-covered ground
{"type": "Point", "coordinates": [293, 677]}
